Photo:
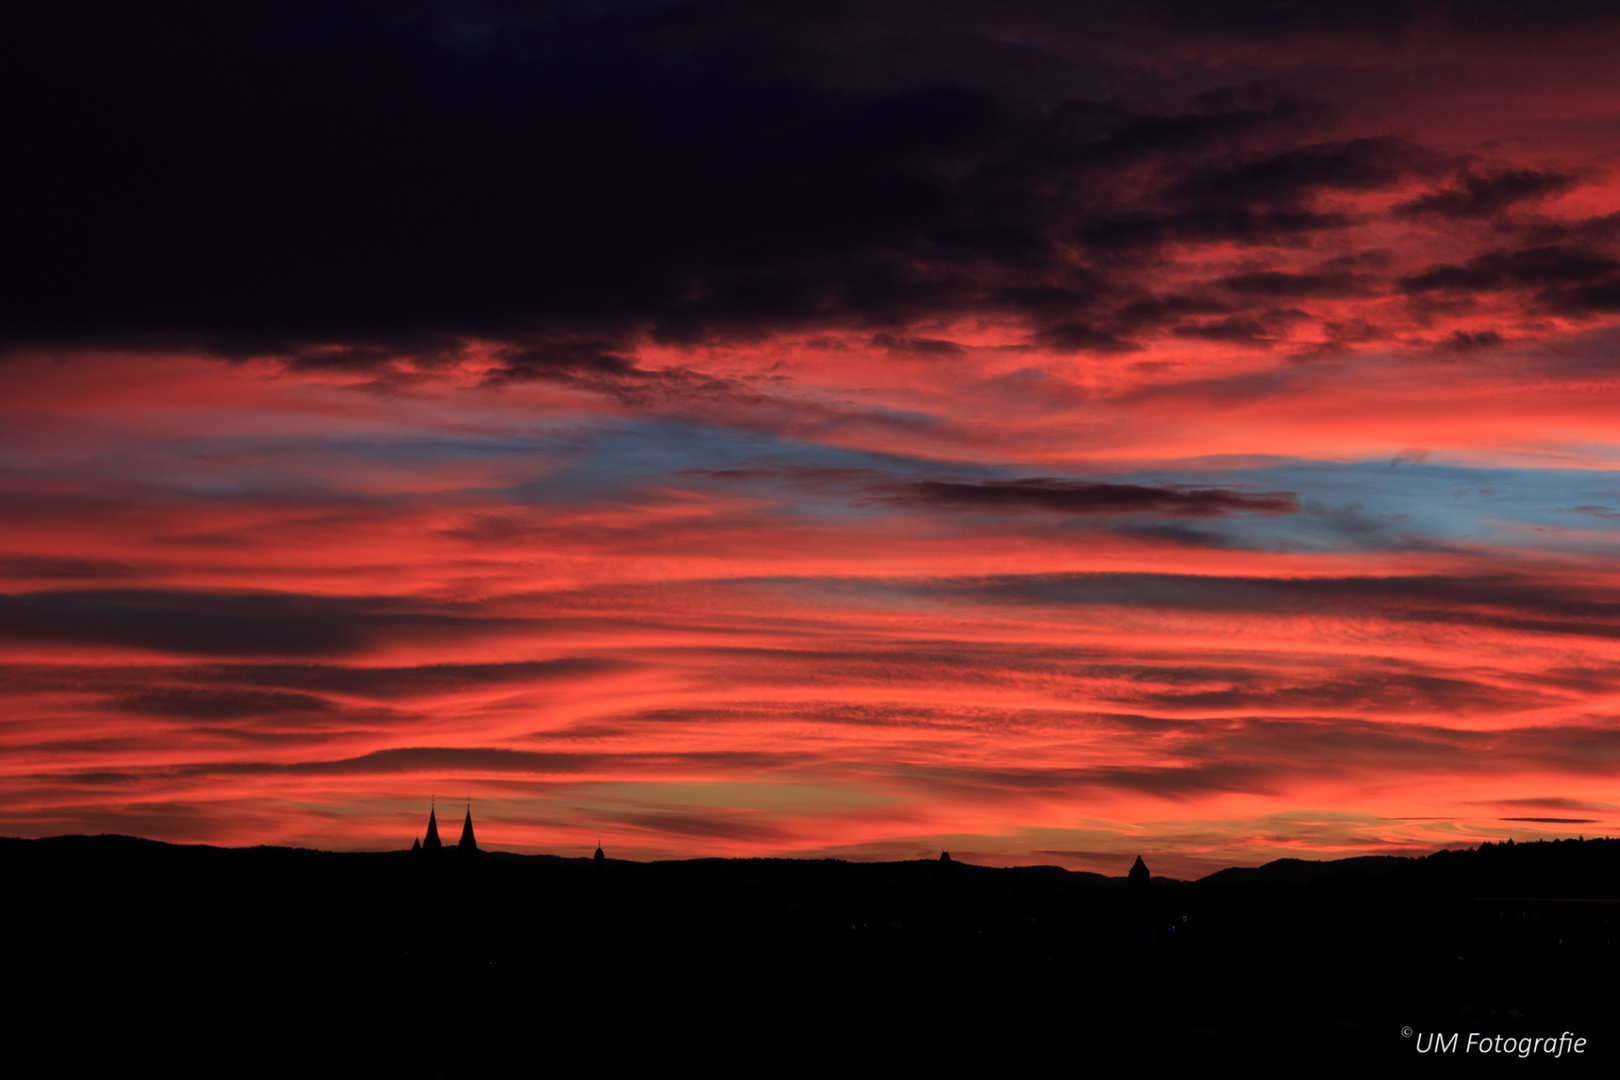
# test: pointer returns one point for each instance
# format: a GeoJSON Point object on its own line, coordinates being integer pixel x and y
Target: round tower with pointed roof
{"type": "Point", "coordinates": [1139, 878]}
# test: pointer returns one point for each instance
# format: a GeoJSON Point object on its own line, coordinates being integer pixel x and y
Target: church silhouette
{"type": "Point", "coordinates": [467, 845]}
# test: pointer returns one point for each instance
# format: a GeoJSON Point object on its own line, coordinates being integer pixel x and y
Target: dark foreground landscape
{"type": "Point", "coordinates": [125, 953]}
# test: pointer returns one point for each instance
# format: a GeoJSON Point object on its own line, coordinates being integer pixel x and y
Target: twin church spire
{"type": "Point", "coordinates": [468, 843]}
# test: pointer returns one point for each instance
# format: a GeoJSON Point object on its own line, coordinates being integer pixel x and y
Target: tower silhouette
{"type": "Point", "coordinates": [1139, 876]}
{"type": "Point", "coordinates": [432, 841]}
{"type": "Point", "coordinates": [468, 845]}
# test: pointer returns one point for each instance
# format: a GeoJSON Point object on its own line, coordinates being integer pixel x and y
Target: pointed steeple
{"type": "Point", "coordinates": [416, 845]}
{"type": "Point", "coordinates": [467, 841]}
{"type": "Point", "coordinates": [432, 841]}
{"type": "Point", "coordinates": [1139, 878]}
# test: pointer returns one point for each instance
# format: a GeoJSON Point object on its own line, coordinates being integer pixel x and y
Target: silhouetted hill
{"type": "Point", "coordinates": [1299, 871]}
{"type": "Point", "coordinates": [1548, 868]}
{"type": "Point", "coordinates": [276, 961]}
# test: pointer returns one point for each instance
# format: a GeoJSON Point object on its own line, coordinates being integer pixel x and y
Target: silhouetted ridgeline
{"type": "Point", "coordinates": [459, 962]}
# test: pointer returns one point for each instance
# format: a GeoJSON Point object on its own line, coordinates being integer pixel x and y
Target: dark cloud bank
{"type": "Point", "coordinates": [1082, 498]}
{"type": "Point", "coordinates": [220, 624]}
{"type": "Point", "coordinates": [297, 625]}
{"type": "Point", "coordinates": [350, 180]}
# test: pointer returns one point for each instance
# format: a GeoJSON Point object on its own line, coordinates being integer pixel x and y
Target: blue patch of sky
{"type": "Point", "coordinates": [641, 454]}
{"type": "Point", "coordinates": [1381, 505]}
{"type": "Point", "coordinates": [1374, 504]}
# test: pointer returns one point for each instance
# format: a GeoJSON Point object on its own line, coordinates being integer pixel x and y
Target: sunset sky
{"type": "Point", "coordinates": [1050, 432]}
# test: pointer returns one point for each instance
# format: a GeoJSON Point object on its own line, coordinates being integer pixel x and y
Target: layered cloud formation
{"type": "Point", "coordinates": [841, 429]}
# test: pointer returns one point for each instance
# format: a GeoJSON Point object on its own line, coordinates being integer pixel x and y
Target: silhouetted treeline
{"type": "Point", "coordinates": [462, 963]}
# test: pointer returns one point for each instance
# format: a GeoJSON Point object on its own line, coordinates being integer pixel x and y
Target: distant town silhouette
{"type": "Point", "coordinates": [543, 957]}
